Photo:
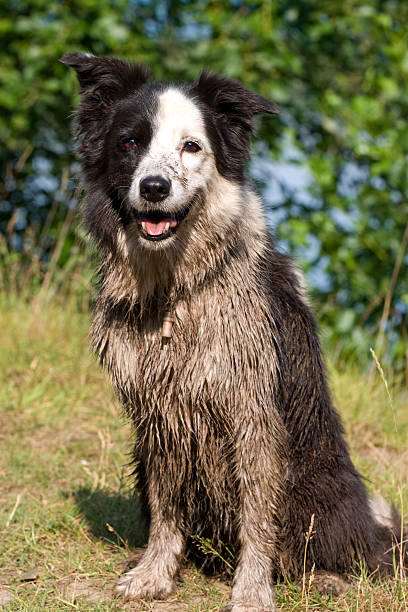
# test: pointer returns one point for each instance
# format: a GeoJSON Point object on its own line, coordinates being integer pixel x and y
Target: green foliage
{"type": "Point", "coordinates": [339, 73]}
{"type": "Point", "coordinates": [208, 548]}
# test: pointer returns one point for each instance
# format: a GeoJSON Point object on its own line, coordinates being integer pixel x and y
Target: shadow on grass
{"type": "Point", "coordinates": [117, 517]}
{"type": "Point", "coordinates": [113, 516]}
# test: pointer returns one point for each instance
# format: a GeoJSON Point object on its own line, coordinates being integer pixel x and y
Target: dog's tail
{"type": "Point", "coordinates": [382, 512]}
{"type": "Point", "coordinates": [391, 535]}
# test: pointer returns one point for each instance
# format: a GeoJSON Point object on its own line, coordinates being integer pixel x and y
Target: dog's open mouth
{"type": "Point", "coordinates": [159, 225]}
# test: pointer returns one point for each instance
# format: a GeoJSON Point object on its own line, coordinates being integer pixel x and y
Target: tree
{"type": "Point", "coordinates": [339, 73]}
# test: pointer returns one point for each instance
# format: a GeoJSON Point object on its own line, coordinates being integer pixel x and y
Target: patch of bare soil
{"type": "Point", "coordinates": [159, 606]}
{"type": "Point", "coordinates": [91, 590]}
{"type": "Point", "coordinates": [5, 597]}
{"type": "Point", "coordinates": [95, 591]}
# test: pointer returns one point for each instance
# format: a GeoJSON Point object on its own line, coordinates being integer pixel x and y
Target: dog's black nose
{"type": "Point", "coordinates": [154, 188]}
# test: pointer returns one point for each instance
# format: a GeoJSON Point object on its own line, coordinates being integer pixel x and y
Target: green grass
{"type": "Point", "coordinates": [67, 515]}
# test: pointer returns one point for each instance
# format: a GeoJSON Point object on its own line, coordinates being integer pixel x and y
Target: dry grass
{"type": "Point", "coordinates": [67, 516]}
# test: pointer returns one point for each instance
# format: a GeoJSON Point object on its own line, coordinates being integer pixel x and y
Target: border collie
{"type": "Point", "coordinates": [206, 331]}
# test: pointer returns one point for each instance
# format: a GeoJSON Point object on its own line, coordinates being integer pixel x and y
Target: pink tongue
{"type": "Point", "coordinates": [155, 229]}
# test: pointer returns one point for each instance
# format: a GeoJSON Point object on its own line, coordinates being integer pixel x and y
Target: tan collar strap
{"type": "Point", "coordinates": [168, 320]}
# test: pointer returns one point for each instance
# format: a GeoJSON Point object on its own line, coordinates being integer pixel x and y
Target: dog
{"type": "Point", "coordinates": [207, 333]}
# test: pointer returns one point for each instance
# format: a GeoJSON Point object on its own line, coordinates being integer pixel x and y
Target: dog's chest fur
{"type": "Point", "coordinates": [185, 395]}
{"type": "Point", "coordinates": [222, 336]}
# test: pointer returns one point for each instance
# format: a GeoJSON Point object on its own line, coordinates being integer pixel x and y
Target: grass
{"type": "Point", "coordinates": [67, 515]}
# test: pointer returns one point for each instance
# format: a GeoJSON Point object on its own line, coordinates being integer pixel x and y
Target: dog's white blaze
{"type": "Point", "coordinates": [178, 120]}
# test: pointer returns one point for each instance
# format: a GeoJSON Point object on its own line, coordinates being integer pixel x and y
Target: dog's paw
{"type": "Point", "coordinates": [144, 583]}
{"type": "Point", "coordinates": [244, 607]}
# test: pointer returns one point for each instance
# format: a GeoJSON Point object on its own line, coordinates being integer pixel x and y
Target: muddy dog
{"type": "Point", "coordinates": [206, 331]}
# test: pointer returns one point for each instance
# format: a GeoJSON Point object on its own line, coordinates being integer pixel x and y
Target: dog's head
{"type": "Point", "coordinates": [157, 148]}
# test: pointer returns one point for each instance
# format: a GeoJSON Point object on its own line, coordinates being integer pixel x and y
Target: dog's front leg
{"type": "Point", "coordinates": [154, 575]}
{"type": "Point", "coordinates": [259, 466]}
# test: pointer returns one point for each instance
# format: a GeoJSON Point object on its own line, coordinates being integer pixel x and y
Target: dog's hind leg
{"type": "Point", "coordinates": [153, 577]}
{"type": "Point", "coordinates": [259, 464]}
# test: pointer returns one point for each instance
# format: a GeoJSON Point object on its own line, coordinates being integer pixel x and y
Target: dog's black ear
{"type": "Point", "coordinates": [103, 80]}
{"type": "Point", "coordinates": [232, 108]}
{"type": "Point", "coordinates": [230, 100]}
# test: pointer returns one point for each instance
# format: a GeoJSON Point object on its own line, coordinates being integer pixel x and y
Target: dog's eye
{"type": "Point", "coordinates": [191, 147]}
{"type": "Point", "coordinates": [129, 143]}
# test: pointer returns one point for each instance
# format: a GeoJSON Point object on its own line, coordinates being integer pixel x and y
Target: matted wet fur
{"type": "Point", "coordinates": [236, 437]}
